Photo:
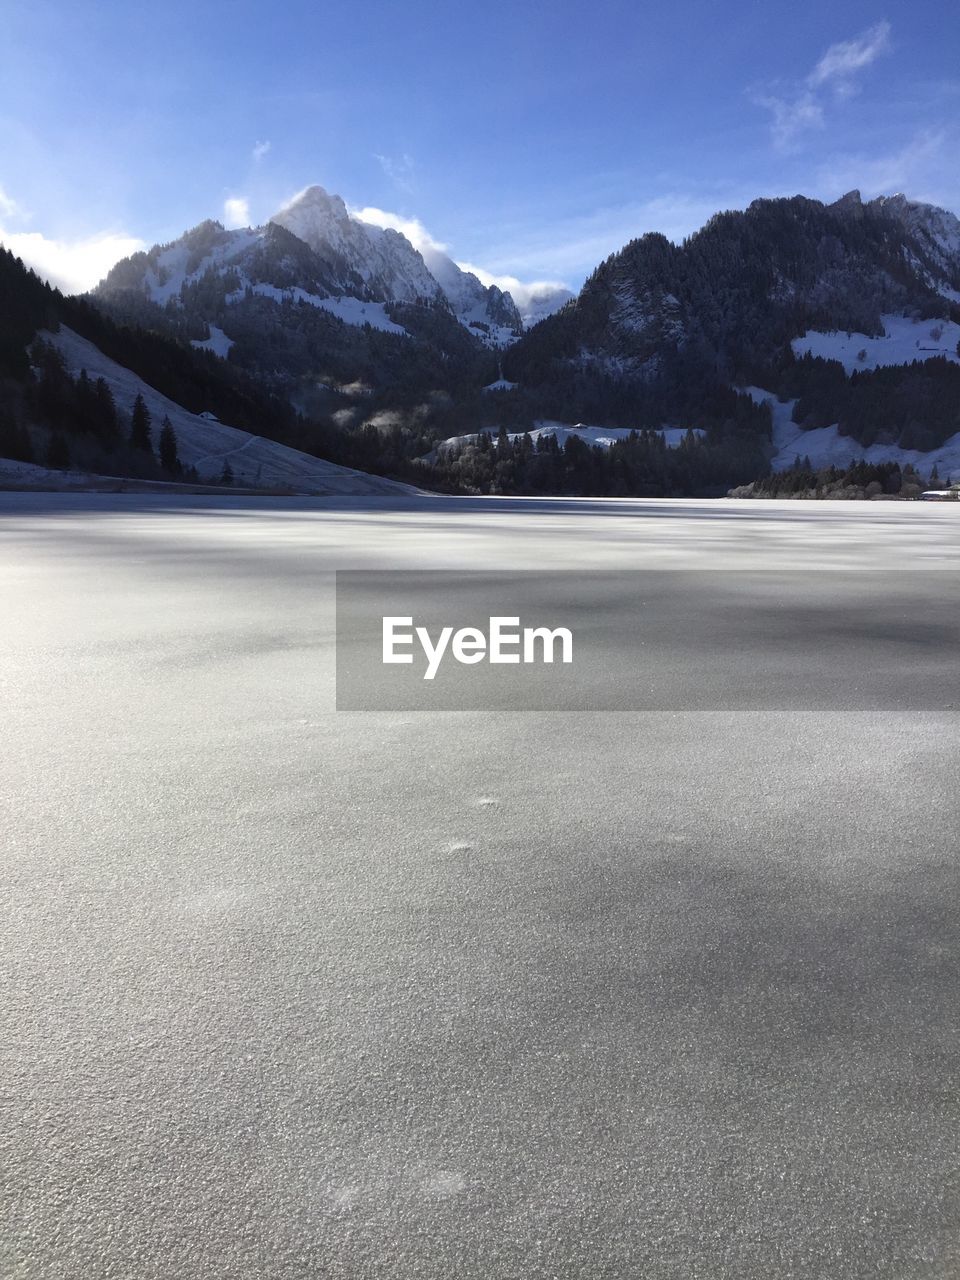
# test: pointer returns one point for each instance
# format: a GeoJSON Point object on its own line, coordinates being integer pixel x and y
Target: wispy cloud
{"type": "Point", "coordinates": [568, 248]}
{"type": "Point", "coordinates": [798, 108]}
{"type": "Point", "coordinates": [923, 168]}
{"type": "Point", "coordinates": [260, 149]}
{"type": "Point", "coordinates": [9, 208]}
{"type": "Point", "coordinates": [792, 117]}
{"type": "Point", "coordinates": [843, 60]}
{"type": "Point", "coordinates": [399, 169]}
{"type": "Point", "coordinates": [236, 212]}
{"type": "Point", "coordinates": [72, 265]}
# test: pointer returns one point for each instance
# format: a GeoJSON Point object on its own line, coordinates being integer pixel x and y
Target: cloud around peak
{"type": "Point", "coordinates": [525, 293]}
{"type": "Point", "coordinates": [412, 228]}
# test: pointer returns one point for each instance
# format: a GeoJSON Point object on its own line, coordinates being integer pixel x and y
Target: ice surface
{"type": "Point", "coordinates": [294, 993]}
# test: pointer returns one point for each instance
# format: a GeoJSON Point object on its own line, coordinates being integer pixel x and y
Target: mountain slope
{"type": "Point", "coordinates": [662, 327]}
{"type": "Point", "coordinates": [382, 263]}
{"type": "Point", "coordinates": [312, 250]}
{"type": "Point", "coordinates": [71, 395]}
{"type": "Point", "coordinates": [209, 446]}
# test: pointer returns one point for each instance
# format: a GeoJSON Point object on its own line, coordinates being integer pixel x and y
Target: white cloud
{"type": "Point", "coordinates": [841, 60]}
{"type": "Point", "coordinates": [236, 212]}
{"type": "Point", "coordinates": [260, 149]}
{"type": "Point", "coordinates": [72, 265]}
{"type": "Point", "coordinates": [412, 228]}
{"type": "Point", "coordinates": [9, 207]}
{"type": "Point", "coordinates": [523, 292]}
{"type": "Point", "coordinates": [798, 108]}
{"type": "Point", "coordinates": [792, 117]}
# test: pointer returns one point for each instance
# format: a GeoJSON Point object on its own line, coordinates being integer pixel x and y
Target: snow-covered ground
{"type": "Point", "coordinates": [350, 310]}
{"type": "Point", "coordinates": [207, 444]}
{"type": "Point", "coordinates": [165, 280]}
{"type": "Point", "coordinates": [905, 340]}
{"type": "Point", "coordinates": [30, 475]}
{"type": "Point", "coordinates": [289, 991]}
{"type": "Point", "coordinates": [826, 447]}
{"type": "Point", "coordinates": [218, 342]}
{"type": "Point", "coordinates": [602, 436]}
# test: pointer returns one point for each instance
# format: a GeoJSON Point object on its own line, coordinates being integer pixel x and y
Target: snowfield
{"type": "Point", "coordinates": [218, 342]}
{"type": "Point", "coordinates": [350, 310]}
{"type": "Point", "coordinates": [826, 447]}
{"type": "Point", "coordinates": [904, 341]}
{"type": "Point", "coordinates": [289, 992]}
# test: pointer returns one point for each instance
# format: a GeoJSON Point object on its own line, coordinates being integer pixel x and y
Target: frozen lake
{"type": "Point", "coordinates": [290, 992]}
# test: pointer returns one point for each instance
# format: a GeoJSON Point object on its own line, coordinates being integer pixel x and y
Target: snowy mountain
{"type": "Point", "coordinates": [390, 268]}
{"type": "Point", "coordinates": [846, 313]}
{"type": "Point", "coordinates": [315, 251]}
{"type": "Point", "coordinates": [937, 230]}
{"type": "Point", "coordinates": [541, 301]}
{"type": "Point", "coordinates": [400, 272]}
{"type": "Point", "coordinates": [477, 305]}
{"type": "Point", "coordinates": [835, 307]}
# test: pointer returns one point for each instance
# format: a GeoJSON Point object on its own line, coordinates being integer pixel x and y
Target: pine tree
{"type": "Point", "coordinates": [226, 476]}
{"type": "Point", "coordinates": [15, 439]}
{"type": "Point", "coordinates": [58, 453]}
{"type": "Point", "coordinates": [140, 426]}
{"type": "Point", "coordinates": [106, 411]}
{"type": "Point", "coordinates": [168, 449]}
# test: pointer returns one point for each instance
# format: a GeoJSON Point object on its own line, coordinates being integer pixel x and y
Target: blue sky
{"type": "Point", "coordinates": [530, 138]}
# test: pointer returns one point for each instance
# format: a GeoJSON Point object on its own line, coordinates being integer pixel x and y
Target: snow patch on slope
{"type": "Point", "coordinates": [826, 447]}
{"type": "Point", "coordinates": [904, 341]}
{"type": "Point", "coordinates": [350, 310]}
{"type": "Point", "coordinates": [218, 342]}
{"type": "Point", "coordinates": [166, 279]}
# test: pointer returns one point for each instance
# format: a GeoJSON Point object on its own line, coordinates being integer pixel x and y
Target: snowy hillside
{"type": "Point", "coordinates": [350, 310]}
{"type": "Point", "coordinates": [905, 339]}
{"type": "Point", "coordinates": [207, 444]}
{"type": "Point", "coordinates": [826, 447]}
